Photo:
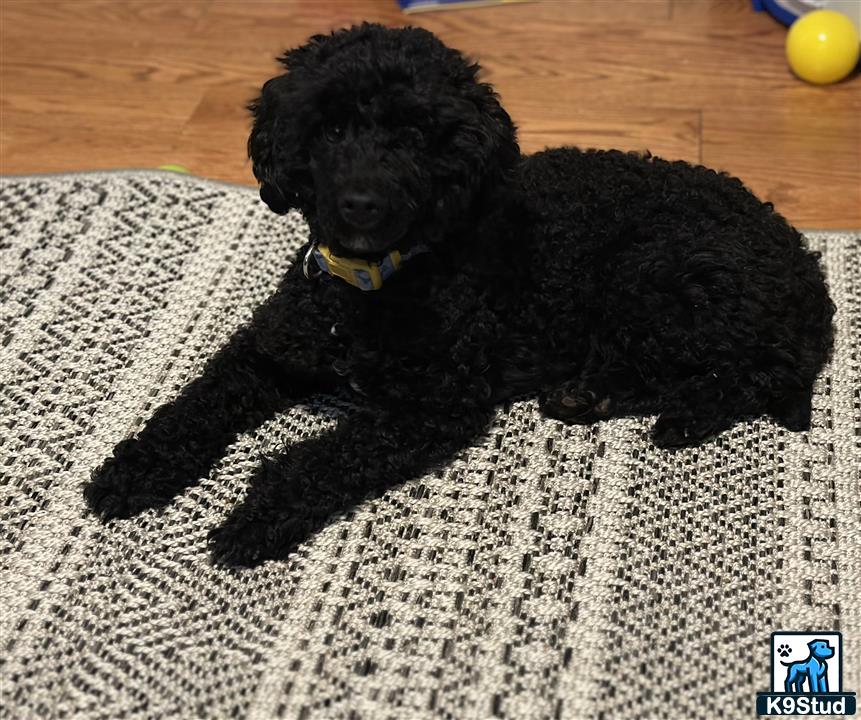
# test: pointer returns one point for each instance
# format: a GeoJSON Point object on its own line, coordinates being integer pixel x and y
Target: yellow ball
{"type": "Point", "coordinates": [822, 47]}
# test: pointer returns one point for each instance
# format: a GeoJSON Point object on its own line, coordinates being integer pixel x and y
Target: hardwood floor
{"type": "Point", "coordinates": [87, 85]}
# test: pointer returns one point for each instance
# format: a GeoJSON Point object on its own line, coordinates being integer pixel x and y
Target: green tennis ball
{"type": "Point", "coordinates": [175, 168]}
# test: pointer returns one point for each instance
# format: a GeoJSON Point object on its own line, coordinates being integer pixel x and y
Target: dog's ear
{"type": "Point", "coordinates": [482, 139]}
{"type": "Point", "coordinates": [494, 132]}
{"type": "Point", "coordinates": [277, 146]}
{"type": "Point", "coordinates": [284, 115]}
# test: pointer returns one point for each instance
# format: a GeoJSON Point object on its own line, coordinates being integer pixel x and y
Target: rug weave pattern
{"type": "Point", "coordinates": [549, 572]}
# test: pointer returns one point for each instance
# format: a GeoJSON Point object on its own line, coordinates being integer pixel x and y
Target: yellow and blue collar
{"type": "Point", "coordinates": [363, 274]}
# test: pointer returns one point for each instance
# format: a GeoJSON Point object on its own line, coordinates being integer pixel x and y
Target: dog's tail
{"type": "Point", "coordinates": [787, 664]}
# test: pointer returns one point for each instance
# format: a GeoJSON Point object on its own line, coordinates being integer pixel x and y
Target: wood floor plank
{"type": "Point", "coordinates": [806, 162]}
{"type": "Point", "coordinates": [37, 146]}
{"type": "Point", "coordinates": [123, 22]}
{"type": "Point", "coordinates": [108, 84]}
{"type": "Point", "coordinates": [672, 134]}
{"type": "Point", "coordinates": [214, 140]}
{"type": "Point", "coordinates": [336, 13]}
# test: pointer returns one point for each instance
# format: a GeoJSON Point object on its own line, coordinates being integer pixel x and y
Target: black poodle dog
{"type": "Point", "coordinates": [446, 274]}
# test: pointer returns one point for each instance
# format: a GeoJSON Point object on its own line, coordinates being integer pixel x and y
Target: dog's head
{"type": "Point", "coordinates": [820, 649]}
{"type": "Point", "coordinates": [381, 137]}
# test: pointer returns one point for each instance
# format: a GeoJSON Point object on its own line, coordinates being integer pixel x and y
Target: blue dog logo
{"type": "Point", "coordinates": [813, 670]}
{"type": "Point", "coordinates": [812, 686]}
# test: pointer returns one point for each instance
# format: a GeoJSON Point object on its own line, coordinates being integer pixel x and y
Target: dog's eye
{"type": "Point", "coordinates": [412, 135]}
{"type": "Point", "coordinates": [334, 132]}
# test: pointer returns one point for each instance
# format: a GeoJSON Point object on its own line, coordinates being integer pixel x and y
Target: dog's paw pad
{"type": "Point", "coordinates": [784, 650]}
{"type": "Point", "coordinates": [577, 401]}
{"type": "Point", "coordinates": [576, 405]}
{"type": "Point", "coordinates": [603, 408]}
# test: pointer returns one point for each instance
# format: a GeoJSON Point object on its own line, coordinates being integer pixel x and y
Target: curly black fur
{"type": "Point", "coordinates": [604, 283]}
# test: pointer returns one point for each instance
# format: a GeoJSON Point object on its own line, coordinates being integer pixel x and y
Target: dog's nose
{"type": "Point", "coordinates": [363, 209]}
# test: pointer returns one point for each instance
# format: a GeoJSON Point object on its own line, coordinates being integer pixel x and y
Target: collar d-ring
{"type": "Point", "coordinates": [311, 270]}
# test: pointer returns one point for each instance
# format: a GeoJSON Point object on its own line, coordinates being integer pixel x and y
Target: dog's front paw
{"type": "Point", "coordinates": [124, 485]}
{"type": "Point", "coordinates": [248, 541]}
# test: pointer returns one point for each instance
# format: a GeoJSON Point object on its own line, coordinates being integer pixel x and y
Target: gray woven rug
{"type": "Point", "coordinates": [551, 572]}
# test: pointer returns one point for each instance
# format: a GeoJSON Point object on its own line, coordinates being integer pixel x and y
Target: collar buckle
{"type": "Point", "coordinates": [363, 274]}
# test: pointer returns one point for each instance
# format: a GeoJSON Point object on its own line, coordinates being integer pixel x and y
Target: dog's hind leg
{"type": "Point", "coordinates": [606, 387]}
{"type": "Point", "coordinates": [792, 409]}
{"type": "Point", "coordinates": [795, 676]}
{"type": "Point", "coordinates": [680, 428]}
{"type": "Point", "coordinates": [575, 402]}
{"type": "Point", "coordinates": [604, 383]}
{"type": "Point", "coordinates": [700, 409]}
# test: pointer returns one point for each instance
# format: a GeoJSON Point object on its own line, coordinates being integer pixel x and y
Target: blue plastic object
{"type": "Point", "coordinates": [776, 10]}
